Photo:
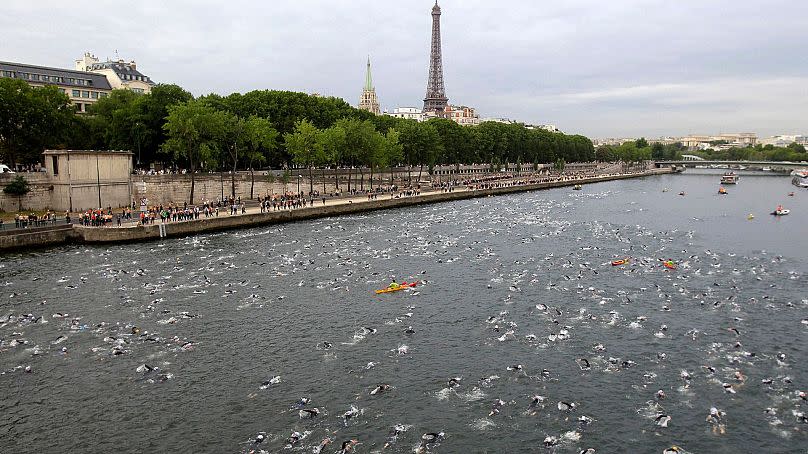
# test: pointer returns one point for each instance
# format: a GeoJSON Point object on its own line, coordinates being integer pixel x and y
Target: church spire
{"type": "Point", "coordinates": [368, 78]}
{"type": "Point", "coordinates": [368, 101]}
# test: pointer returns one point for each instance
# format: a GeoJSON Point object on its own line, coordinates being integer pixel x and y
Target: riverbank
{"type": "Point", "coordinates": [253, 217]}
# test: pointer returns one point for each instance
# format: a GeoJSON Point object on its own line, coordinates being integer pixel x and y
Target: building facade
{"type": "Point", "coordinates": [87, 179]}
{"type": "Point", "coordinates": [82, 87]}
{"type": "Point", "coordinates": [409, 113]}
{"type": "Point", "coordinates": [368, 101]}
{"type": "Point", "coordinates": [121, 74]}
{"type": "Point", "coordinates": [462, 115]}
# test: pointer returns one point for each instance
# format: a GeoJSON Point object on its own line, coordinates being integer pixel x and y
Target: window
{"type": "Point", "coordinates": [79, 107]}
{"type": "Point", "coordinates": [76, 93]}
{"type": "Point", "coordinates": [137, 90]}
{"type": "Point", "coordinates": [71, 80]}
{"type": "Point", "coordinates": [85, 94]}
{"type": "Point", "coordinates": [102, 95]}
{"type": "Point", "coordinates": [55, 162]}
{"type": "Point", "coordinates": [94, 95]}
{"type": "Point", "coordinates": [34, 76]}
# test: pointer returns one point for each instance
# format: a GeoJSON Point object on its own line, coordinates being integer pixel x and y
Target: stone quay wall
{"type": "Point", "coordinates": [176, 188]}
{"type": "Point", "coordinates": [65, 234]}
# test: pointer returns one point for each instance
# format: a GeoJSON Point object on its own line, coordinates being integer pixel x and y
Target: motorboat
{"type": "Point", "coordinates": [800, 178]}
{"type": "Point", "coordinates": [766, 169]}
{"type": "Point", "coordinates": [722, 191]}
{"type": "Point", "coordinates": [729, 178]}
{"type": "Point", "coordinates": [577, 187]}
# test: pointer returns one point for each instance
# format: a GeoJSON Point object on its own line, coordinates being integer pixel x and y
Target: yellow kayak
{"type": "Point", "coordinates": [395, 289]}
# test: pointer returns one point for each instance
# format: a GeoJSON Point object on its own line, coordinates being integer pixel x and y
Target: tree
{"type": "Point", "coordinates": [560, 164]}
{"type": "Point", "coordinates": [193, 129]}
{"type": "Point", "coordinates": [333, 143]}
{"type": "Point", "coordinates": [305, 148]}
{"type": "Point", "coordinates": [18, 187]}
{"type": "Point", "coordinates": [420, 143]}
{"type": "Point", "coordinates": [393, 151]}
{"type": "Point", "coordinates": [31, 120]}
{"type": "Point", "coordinates": [260, 140]}
{"type": "Point", "coordinates": [641, 142]}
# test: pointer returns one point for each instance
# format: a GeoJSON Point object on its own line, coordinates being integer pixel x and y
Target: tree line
{"type": "Point", "coordinates": [260, 129]}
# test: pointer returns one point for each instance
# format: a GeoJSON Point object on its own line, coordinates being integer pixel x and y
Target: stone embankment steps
{"type": "Point", "coordinates": [78, 233]}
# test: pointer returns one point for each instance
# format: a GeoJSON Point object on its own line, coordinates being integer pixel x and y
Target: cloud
{"type": "Point", "coordinates": [600, 68]}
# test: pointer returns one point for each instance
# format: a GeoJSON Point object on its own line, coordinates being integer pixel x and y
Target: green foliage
{"type": "Point", "coordinates": [31, 120]}
{"type": "Point", "coordinates": [768, 152]}
{"type": "Point", "coordinates": [18, 187]}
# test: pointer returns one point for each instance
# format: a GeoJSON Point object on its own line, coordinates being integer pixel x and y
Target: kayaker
{"type": "Point", "coordinates": [393, 285]}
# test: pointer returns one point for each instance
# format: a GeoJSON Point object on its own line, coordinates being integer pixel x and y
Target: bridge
{"type": "Point", "coordinates": [777, 166]}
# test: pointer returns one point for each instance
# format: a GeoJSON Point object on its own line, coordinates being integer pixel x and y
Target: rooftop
{"type": "Point", "coordinates": [65, 75]}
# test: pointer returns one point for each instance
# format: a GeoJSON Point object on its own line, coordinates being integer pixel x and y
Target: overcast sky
{"type": "Point", "coordinates": [599, 68]}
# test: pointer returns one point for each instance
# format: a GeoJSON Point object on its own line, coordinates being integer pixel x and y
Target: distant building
{"type": "Point", "coordinates": [506, 121]}
{"type": "Point", "coordinates": [743, 139]}
{"type": "Point", "coordinates": [784, 140]}
{"type": "Point", "coordinates": [462, 115]}
{"type": "Point", "coordinates": [121, 74]}
{"type": "Point", "coordinates": [83, 88]}
{"type": "Point", "coordinates": [368, 101]}
{"type": "Point", "coordinates": [409, 113]}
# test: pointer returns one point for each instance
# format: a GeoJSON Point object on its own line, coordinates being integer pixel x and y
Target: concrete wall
{"type": "Point", "coordinates": [40, 197]}
{"type": "Point", "coordinates": [38, 237]}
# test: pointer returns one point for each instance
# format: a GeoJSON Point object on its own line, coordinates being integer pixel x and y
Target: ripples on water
{"type": "Point", "coordinates": [522, 337]}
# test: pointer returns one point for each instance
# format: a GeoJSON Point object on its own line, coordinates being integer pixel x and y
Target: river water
{"type": "Point", "coordinates": [237, 327]}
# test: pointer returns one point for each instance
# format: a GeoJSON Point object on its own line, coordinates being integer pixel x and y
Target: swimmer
{"type": "Point", "coordinates": [317, 449]}
{"type": "Point", "coordinates": [294, 438]}
{"type": "Point", "coordinates": [566, 406]}
{"type": "Point", "coordinates": [398, 429]}
{"type": "Point", "coordinates": [454, 382]}
{"type": "Point", "coordinates": [302, 402]}
{"type": "Point", "coordinates": [495, 407]}
{"type": "Point", "coordinates": [662, 420]}
{"type": "Point", "coordinates": [583, 363]}
{"type": "Point", "coordinates": [380, 389]}
{"type": "Point", "coordinates": [350, 414]}
{"type": "Point", "coordinates": [515, 367]}
{"type": "Point", "coordinates": [587, 451]}
{"type": "Point", "coordinates": [550, 441]}
{"type": "Point", "coordinates": [409, 330]}
{"type": "Point", "coordinates": [660, 395]}
{"type": "Point", "coordinates": [585, 420]}
{"type": "Point", "coordinates": [309, 413]}
{"type": "Point", "coordinates": [728, 388]}
{"type": "Point", "coordinates": [715, 418]}
{"type": "Point", "coordinates": [348, 446]}
{"type": "Point", "coordinates": [272, 381]}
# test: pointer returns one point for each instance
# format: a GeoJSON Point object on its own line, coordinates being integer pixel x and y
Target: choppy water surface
{"type": "Point", "coordinates": [200, 344]}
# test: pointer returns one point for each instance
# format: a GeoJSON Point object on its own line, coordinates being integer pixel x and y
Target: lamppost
{"type": "Point", "coordinates": [138, 127]}
{"type": "Point", "coordinates": [298, 184]}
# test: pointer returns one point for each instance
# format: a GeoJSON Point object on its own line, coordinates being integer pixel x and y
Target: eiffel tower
{"type": "Point", "coordinates": [435, 101]}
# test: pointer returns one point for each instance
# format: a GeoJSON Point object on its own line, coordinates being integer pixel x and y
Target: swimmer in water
{"type": "Point", "coordinates": [454, 382]}
{"type": "Point", "coordinates": [309, 413]}
{"type": "Point", "coordinates": [348, 446]}
{"type": "Point", "coordinates": [428, 440]}
{"type": "Point", "coordinates": [495, 407]}
{"type": "Point", "coordinates": [380, 389]}
{"type": "Point", "coordinates": [317, 449]}
{"type": "Point", "coordinates": [662, 420]}
{"type": "Point", "coordinates": [409, 330]}
{"type": "Point", "coordinates": [716, 420]}
{"type": "Point", "coordinates": [583, 363]}
{"type": "Point", "coordinates": [398, 429]}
